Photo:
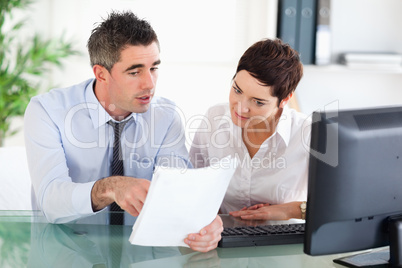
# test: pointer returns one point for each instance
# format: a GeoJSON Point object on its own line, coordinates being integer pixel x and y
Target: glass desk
{"type": "Point", "coordinates": [27, 240]}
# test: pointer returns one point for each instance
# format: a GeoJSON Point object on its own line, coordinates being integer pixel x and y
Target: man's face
{"type": "Point", "coordinates": [132, 80]}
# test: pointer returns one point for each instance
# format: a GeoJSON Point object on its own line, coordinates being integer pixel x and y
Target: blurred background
{"type": "Point", "coordinates": [201, 42]}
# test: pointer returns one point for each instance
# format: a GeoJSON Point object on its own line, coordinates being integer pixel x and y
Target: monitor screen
{"type": "Point", "coordinates": [355, 180]}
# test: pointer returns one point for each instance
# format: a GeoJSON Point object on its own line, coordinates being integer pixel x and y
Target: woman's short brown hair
{"type": "Point", "coordinates": [273, 63]}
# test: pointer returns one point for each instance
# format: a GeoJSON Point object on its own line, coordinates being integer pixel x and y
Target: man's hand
{"type": "Point", "coordinates": [269, 212]}
{"type": "Point", "coordinates": [129, 193]}
{"type": "Point", "coordinates": [208, 238]}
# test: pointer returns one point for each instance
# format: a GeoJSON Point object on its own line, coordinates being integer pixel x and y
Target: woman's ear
{"type": "Point", "coordinates": [285, 101]}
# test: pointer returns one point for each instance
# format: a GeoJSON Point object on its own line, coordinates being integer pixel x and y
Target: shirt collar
{"type": "Point", "coordinates": [282, 129]}
{"type": "Point", "coordinates": [225, 120]}
{"type": "Point", "coordinates": [284, 125]}
{"type": "Point", "coordinates": [99, 116]}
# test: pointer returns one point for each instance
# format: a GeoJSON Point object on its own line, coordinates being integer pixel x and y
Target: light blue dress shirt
{"type": "Point", "coordinates": [69, 146]}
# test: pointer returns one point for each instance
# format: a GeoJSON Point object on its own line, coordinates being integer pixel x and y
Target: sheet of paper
{"type": "Point", "coordinates": [180, 202]}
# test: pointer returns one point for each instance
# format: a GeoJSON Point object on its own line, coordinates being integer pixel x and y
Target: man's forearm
{"type": "Point", "coordinates": [101, 194]}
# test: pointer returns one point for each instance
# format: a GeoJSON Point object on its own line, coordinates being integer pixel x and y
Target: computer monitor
{"type": "Point", "coordinates": [354, 199]}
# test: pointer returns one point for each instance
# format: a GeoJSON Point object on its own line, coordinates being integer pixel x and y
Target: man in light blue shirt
{"type": "Point", "coordinates": [69, 139]}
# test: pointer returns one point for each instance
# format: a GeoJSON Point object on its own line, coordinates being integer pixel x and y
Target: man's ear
{"type": "Point", "coordinates": [101, 73]}
{"type": "Point", "coordinates": [285, 100]}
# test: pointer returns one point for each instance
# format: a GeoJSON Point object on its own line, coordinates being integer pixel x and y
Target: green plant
{"type": "Point", "coordinates": [23, 64]}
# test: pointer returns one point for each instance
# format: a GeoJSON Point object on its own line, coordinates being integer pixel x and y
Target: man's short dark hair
{"type": "Point", "coordinates": [114, 34]}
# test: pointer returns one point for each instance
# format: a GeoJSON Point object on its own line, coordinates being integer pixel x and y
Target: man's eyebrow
{"type": "Point", "coordinates": [135, 66]}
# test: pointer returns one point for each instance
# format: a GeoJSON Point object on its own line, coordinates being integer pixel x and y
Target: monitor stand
{"type": "Point", "coordinates": [388, 257]}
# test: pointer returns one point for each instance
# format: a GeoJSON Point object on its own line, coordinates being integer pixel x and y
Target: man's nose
{"type": "Point", "coordinates": [148, 81]}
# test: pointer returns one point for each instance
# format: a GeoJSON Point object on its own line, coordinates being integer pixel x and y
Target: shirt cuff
{"type": "Point", "coordinates": [81, 198]}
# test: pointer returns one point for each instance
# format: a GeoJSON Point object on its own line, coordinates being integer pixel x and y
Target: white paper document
{"type": "Point", "coordinates": [180, 202]}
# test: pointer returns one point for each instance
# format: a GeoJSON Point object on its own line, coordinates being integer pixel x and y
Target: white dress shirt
{"type": "Point", "coordinates": [70, 145]}
{"type": "Point", "coordinates": [278, 171]}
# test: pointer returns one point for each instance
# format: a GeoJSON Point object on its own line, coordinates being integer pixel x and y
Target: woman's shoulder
{"type": "Point", "coordinates": [300, 123]}
{"type": "Point", "coordinates": [220, 109]}
{"type": "Point", "coordinates": [216, 117]}
{"type": "Point", "coordinates": [297, 117]}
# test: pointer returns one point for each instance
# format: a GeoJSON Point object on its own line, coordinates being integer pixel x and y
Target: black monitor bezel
{"type": "Point", "coordinates": [329, 219]}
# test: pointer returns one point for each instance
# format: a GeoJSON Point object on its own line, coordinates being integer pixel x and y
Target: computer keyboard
{"type": "Point", "coordinates": [249, 236]}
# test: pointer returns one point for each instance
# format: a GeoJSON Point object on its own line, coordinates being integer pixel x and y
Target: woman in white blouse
{"type": "Point", "coordinates": [270, 139]}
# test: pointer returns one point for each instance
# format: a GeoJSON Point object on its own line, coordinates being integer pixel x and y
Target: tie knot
{"type": "Point", "coordinates": [118, 126]}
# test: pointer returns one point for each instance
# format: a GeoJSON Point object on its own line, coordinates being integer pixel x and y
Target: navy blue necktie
{"type": "Point", "coordinates": [117, 169]}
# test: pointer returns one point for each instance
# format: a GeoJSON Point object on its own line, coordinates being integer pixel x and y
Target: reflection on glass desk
{"type": "Point", "coordinates": [27, 240]}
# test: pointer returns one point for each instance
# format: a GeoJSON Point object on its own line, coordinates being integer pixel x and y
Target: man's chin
{"type": "Point", "coordinates": [139, 109]}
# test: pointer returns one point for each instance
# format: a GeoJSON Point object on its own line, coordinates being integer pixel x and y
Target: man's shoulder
{"type": "Point", "coordinates": [61, 98]}
{"type": "Point", "coordinates": [162, 102]}
{"type": "Point", "coordinates": [161, 109]}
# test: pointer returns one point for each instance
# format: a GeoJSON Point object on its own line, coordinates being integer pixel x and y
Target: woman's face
{"type": "Point", "coordinates": [251, 104]}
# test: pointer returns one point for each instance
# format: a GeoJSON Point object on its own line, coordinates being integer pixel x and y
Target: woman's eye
{"type": "Point", "coordinates": [236, 90]}
{"type": "Point", "coordinates": [259, 103]}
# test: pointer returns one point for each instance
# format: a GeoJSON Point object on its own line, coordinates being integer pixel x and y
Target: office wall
{"type": "Point", "coordinates": [201, 42]}
{"type": "Point", "coordinates": [356, 26]}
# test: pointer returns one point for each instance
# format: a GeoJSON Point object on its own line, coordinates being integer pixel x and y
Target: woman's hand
{"type": "Point", "coordinates": [254, 207]}
{"type": "Point", "coordinates": [269, 212]}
